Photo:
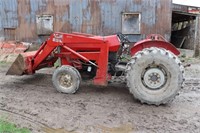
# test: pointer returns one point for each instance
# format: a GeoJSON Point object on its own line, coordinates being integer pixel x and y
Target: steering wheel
{"type": "Point", "coordinates": [123, 38]}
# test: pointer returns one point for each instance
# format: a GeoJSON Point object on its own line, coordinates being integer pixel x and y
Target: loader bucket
{"type": "Point", "coordinates": [18, 66]}
{"type": "Point", "coordinates": [22, 64]}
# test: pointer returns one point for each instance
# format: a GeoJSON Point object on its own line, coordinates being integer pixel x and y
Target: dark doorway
{"type": "Point", "coordinates": [183, 30]}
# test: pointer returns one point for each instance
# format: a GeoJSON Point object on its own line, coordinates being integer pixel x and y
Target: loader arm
{"type": "Point", "coordinates": [44, 51]}
{"type": "Point", "coordinates": [65, 41]}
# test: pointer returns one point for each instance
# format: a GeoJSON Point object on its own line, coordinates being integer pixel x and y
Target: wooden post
{"type": "Point", "coordinates": [197, 37]}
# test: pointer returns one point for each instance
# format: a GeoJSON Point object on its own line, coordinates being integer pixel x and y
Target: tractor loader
{"type": "Point", "coordinates": [153, 73]}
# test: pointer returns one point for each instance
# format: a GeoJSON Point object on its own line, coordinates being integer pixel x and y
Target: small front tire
{"type": "Point", "coordinates": [66, 79]}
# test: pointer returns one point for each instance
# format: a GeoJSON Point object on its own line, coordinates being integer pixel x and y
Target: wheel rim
{"type": "Point", "coordinates": [65, 81]}
{"type": "Point", "coordinates": [154, 78]}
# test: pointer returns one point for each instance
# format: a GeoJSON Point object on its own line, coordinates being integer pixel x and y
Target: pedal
{"type": "Point", "coordinates": [120, 67]}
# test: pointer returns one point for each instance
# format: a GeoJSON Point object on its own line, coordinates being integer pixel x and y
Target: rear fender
{"type": "Point", "coordinates": [153, 43]}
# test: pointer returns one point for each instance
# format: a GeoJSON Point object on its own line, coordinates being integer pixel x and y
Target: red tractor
{"type": "Point", "coordinates": [154, 74]}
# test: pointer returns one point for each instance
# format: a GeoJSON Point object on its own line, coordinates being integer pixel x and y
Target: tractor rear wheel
{"type": "Point", "coordinates": [154, 76]}
{"type": "Point", "coordinates": [66, 79]}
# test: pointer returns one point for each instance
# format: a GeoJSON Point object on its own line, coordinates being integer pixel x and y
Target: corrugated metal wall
{"type": "Point", "coordinates": [102, 17]}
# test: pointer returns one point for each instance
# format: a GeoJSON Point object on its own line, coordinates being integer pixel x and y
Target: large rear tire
{"type": "Point", "coordinates": [154, 76]}
{"type": "Point", "coordinates": [66, 79]}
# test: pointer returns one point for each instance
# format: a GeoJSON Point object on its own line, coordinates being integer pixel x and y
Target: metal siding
{"type": "Point", "coordinates": [25, 29]}
{"type": "Point", "coordinates": [87, 15]}
{"type": "Point", "coordinates": [111, 14]}
{"type": "Point", "coordinates": [76, 15]}
{"type": "Point", "coordinates": [108, 17]}
{"type": "Point", "coordinates": [164, 18]}
{"type": "Point", "coordinates": [1, 18]}
{"type": "Point", "coordinates": [37, 6]}
{"type": "Point", "coordinates": [9, 16]}
{"type": "Point", "coordinates": [148, 16]}
{"type": "Point", "coordinates": [101, 17]}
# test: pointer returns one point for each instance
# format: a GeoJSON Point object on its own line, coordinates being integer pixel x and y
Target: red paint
{"type": "Point", "coordinates": [154, 40]}
{"type": "Point", "coordinates": [12, 47]}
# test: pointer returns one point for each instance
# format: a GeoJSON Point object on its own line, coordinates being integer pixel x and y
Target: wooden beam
{"type": "Point", "coordinates": [197, 37]}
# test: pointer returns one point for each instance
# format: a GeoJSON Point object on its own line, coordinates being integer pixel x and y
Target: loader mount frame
{"type": "Point", "coordinates": [72, 49]}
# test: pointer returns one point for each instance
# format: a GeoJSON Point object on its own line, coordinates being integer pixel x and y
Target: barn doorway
{"type": "Point", "coordinates": [183, 30]}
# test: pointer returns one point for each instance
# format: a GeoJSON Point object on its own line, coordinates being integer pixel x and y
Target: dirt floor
{"type": "Point", "coordinates": [31, 101]}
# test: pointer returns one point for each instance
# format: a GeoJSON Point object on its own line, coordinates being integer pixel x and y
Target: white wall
{"type": "Point", "coordinates": [195, 3]}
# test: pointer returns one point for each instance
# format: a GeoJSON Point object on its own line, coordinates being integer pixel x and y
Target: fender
{"type": "Point", "coordinates": [149, 42]}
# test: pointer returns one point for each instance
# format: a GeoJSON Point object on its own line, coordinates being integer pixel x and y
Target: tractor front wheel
{"type": "Point", "coordinates": [154, 76]}
{"type": "Point", "coordinates": [66, 79]}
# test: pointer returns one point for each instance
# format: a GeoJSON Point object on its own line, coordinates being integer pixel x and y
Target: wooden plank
{"type": "Point", "coordinates": [197, 36]}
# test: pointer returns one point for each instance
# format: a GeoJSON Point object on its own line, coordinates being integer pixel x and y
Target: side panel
{"type": "Point", "coordinates": [113, 42]}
